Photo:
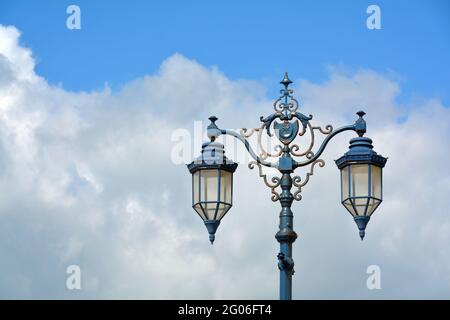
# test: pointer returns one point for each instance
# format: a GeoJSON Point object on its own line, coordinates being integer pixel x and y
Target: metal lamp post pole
{"type": "Point", "coordinates": [286, 236]}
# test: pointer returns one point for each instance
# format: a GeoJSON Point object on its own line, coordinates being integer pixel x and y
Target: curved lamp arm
{"type": "Point", "coordinates": [323, 146]}
{"type": "Point", "coordinates": [359, 127]}
{"type": "Point", "coordinates": [248, 147]}
{"type": "Point", "coordinates": [213, 132]}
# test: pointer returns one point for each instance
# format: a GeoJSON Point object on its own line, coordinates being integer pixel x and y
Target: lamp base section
{"type": "Point", "coordinates": [211, 226]}
{"type": "Point", "coordinates": [361, 222]}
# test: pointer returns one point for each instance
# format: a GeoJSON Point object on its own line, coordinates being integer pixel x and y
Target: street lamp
{"type": "Point", "coordinates": [361, 171]}
{"type": "Point", "coordinates": [212, 184]}
{"type": "Point", "coordinates": [361, 180]}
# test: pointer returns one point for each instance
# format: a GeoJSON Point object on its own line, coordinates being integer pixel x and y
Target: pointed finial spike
{"type": "Point", "coordinates": [286, 81]}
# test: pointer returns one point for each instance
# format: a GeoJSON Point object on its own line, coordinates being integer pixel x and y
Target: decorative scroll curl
{"type": "Point", "coordinates": [264, 154]}
{"type": "Point", "coordinates": [328, 129]}
{"type": "Point", "coordinates": [280, 106]}
{"type": "Point", "coordinates": [308, 153]}
{"type": "Point", "coordinates": [297, 181]}
{"type": "Point", "coordinates": [246, 133]}
{"type": "Point", "coordinates": [274, 181]}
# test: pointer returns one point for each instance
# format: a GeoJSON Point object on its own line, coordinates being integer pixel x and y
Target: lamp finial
{"type": "Point", "coordinates": [286, 81]}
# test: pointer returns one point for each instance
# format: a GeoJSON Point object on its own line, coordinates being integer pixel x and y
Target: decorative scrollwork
{"type": "Point", "coordinates": [274, 181]}
{"type": "Point", "coordinates": [308, 152]}
{"type": "Point", "coordinates": [264, 154]}
{"type": "Point", "coordinates": [277, 105]}
{"type": "Point", "coordinates": [289, 103]}
{"type": "Point", "coordinates": [244, 132]}
{"type": "Point", "coordinates": [302, 132]}
{"type": "Point", "coordinates": [285, 107]}
{"type": "Point", "coordinates": [328, 129]}
{"type": "Point", "coordinates": [297, 181]}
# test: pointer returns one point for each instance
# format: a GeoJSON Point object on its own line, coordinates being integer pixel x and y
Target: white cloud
{"type": "Point", "coordinates": [86, 179]}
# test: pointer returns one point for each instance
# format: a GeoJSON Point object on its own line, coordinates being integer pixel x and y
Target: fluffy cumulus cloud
{"type": "Point", "coordinates": [87, 179]}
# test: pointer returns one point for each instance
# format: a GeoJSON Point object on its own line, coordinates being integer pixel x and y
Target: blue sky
{"type": "Point", "coordinates": [122, 40]}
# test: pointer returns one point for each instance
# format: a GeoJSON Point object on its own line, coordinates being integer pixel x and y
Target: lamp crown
{"type": "Point", "coordinates": [361, 151]}
{"type": "Point", "coordinates": [286, 81]}
{"type": "Point", "coordinates": [212, 129]}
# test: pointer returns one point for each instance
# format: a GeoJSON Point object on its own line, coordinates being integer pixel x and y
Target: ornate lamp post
{"type": "Point", "coordinates": [361, 173]}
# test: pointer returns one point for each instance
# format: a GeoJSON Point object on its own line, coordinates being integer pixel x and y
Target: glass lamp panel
{"type": "Point", "coordinates": [360, 205]}
{"type": "Point", "coordinates": [348, 205]}
{"type": "Point", "coordinates": [222, 210]}
{"type": "Point", "coordinates": [209, 185]}
{"type": "Point", "coordinates": [373, 204]}
{"type": "Point", "coordinates": [344, 183]}
{"type": "Point", "coordinates": [359, 180]}
{"type": "Point", "coordinates": [199, 209]}
{"type": "Point", "coordinates": [226, 184]}
{"type": "Point", "coordinates": [375, 184]}
{"type": "Point", "coordinates": [195, 189]}
{"type": "Point", "coordinates": [210, 209]}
